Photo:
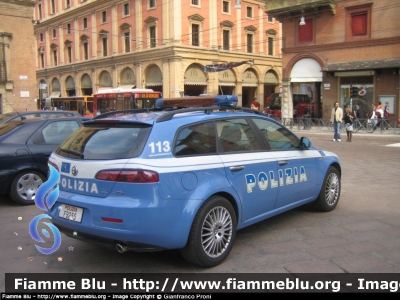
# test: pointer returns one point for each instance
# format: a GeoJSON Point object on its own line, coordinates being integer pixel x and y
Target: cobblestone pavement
{"type": "Point", "coordinates": [361, 235]}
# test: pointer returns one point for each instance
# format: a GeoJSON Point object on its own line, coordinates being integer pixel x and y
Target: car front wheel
{"type": "Point", "coordinates": [330, 192]}
{"type": "Point", "coordinates": [25, 185]}
{"type": "Point", "coordinates": [212, 233]}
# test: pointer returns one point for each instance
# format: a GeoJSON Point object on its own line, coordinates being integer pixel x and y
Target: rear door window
{"type": "Point", "coordinates": [56, 132]}
{"type": "Point", "coordinates": [197, 139]}
{"type": "Point", "coordinates": [235, 135]}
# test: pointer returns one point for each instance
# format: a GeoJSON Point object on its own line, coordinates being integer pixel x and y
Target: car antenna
{"type": "Point", "coordinates": [13, 108]}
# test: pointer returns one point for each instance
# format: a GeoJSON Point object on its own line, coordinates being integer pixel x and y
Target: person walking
{"type": "Point", "coordinates": [358, 113]}
{"type": "Point", "coordinates": [378, 117]}
{"type": "Point", "coordinates": [348, 121]}
{"type": "Point", "coordinates": [336, 121]}
{"type": "Point", "coordinates": [386, 115]}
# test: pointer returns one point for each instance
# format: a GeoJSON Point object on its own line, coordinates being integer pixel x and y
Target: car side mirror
{"type": "Point", "coordinates": [305, 143]}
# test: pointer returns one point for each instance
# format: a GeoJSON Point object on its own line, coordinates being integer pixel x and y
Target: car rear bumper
{"type": "Point", "coordinates": [152, 224]}
{"type": "Point", "coordinates": [107, 242]}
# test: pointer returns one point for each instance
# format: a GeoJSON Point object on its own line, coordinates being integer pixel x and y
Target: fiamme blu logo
{"type": "Point", "coordinates": [46, 196]}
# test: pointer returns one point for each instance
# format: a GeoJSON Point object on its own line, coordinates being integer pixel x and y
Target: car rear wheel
{"type": "Point", "coordinates": [25, 185]}
{"type": "Point", "coordinates": [212, 234]}
{"type": "Point", "coordinates": [330, 192]}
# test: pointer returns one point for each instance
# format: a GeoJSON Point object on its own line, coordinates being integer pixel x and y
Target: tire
{"type": "Point", "coordinates": [24, 186]}
{"type": "Point", "coordinates": [212, 233]}
{"type": "Point", "coordinates": [329, 195]}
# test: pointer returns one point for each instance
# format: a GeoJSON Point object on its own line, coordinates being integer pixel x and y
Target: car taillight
{"type": "Point", "coordinates": [135, 176]}
{"type": "Point", "coordinates": [54, 165]}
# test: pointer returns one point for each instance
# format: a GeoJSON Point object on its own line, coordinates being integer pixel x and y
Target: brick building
{"type": "Point", "coordinates": [345, 51]}
{"type": "Point", "coordinates": [18, 86]}
{"type": "Point", "coordinates": [87, 45]}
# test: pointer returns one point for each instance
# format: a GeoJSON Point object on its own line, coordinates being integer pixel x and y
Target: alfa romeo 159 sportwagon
{"type": "Point", "coordinates": [188, 179]}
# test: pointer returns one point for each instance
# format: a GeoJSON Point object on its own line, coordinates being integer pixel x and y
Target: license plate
{"type": "Point", "coordinates": [71, 213]}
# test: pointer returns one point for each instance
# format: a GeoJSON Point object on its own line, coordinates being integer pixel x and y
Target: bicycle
{"type": "Point", "coordinates": [372, 124]}
{"type": "Point", "coordinates": [368, 125]}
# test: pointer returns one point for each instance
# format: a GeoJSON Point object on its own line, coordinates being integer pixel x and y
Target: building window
{"type": "Point", "coordinates": [85, 51]}
{"type": "Point", "coordinates": [195, 2]}
{"type": "Point", "coordinates": [225, 39]}
{"type": "Point", "coordinates": [53, 7]}
{"type": "Point", "coordinates": [41, 37]}
{"type": "Point", "coordinates": [55, 57]}
{"type": "Point", "coordinates": [104, 16]}
{"type": "Point", "coordinates": [42, 60]}
{"type": "Point", "coordinates": [152, 3]}
{"type": "Point", "coordinates": [54, 33]}
{"type": "Point", "coordinates": [127, 42]}
{"type": "Point", "coordinates": [68, 3]}
{"type": "Point", "coordinates": [152, 34]}
{"type": "Point", "coordinates": [68, 28]}
{"type": "Point", "coordinates": [358, 24]}
{"type": "Point", "coordinates": [85, 23]}
{"type": "Point", "coordinates": [126, 9]}
{"type": "Point", "coordinates": [40, 10]}
{"type": "Point", "coordinates": [225, 7]}
{"type": "Point", "coordinates": [270, 19]}
{"type": "Point", "coordinates": [104, 41]}
{"type": "Point", "coordinates": [195, 35]}
{"type": "Point", "coordinates": [249, 12]}
{"type": "Point", "coordinates": [249, 43]}
{"type": "Point", "coordinates": [69, 54]}
{"type": "Point", "coordinates": [270, 46]}
{"type": "Point", "coordinates": [306, 34]}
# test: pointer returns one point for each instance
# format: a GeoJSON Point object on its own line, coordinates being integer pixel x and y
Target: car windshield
{"type": "Point", "coordinates": [100, 141]}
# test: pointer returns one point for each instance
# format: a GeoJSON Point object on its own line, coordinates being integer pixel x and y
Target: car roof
{"type": "Point", "coordinates": [6, 117]}
{"type": "Point", "coordinates": [54, 117]}
{"type": "Point", "coordinates": [13, 113]}
{"type": "Point", "coordinates": [39, 119]}
{"type": "Point", "coordinates": [151, 116]}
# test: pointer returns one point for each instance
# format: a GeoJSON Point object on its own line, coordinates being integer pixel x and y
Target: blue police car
{"type": "Point", "coordinates": [188, 178]}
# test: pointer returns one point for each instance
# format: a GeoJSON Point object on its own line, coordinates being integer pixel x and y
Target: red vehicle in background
{"type": "Point", "coordinates": [302, 106]}
{"type": "Point", "coordinates": [123, 98]}
{"type": "Point", "coordinates": [273, 106]}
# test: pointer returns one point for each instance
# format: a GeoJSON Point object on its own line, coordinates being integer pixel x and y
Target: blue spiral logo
{"type": "Point", "coordinates": [35, 234]}
{"type": "Point", "coordinates": [46, 196]}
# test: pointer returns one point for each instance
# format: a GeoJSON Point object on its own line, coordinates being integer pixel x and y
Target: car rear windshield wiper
{"type": "Point", "coordinates": [74, 152]}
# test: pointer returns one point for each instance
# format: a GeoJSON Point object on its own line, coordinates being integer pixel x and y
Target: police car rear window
{"type": "Point", "coordinates": [105, 142]}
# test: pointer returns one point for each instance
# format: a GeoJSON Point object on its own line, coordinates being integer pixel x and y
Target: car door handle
{"type": "Point", "coordinates": [283, 162]}
{"type": "Point", "coordinates": [236, 168]}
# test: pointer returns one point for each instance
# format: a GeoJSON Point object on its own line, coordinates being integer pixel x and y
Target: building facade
{"type": "Point", "coordinates": [344, 51]}
{"type": "Point", "coordinates": [87, 45]}
{"type": "Point", "coordinates": [18, 86]}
